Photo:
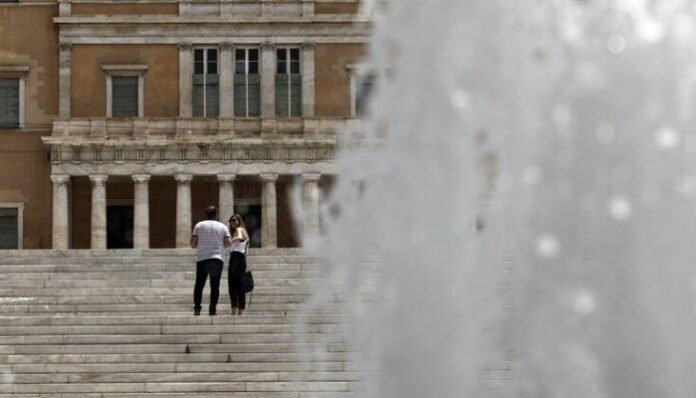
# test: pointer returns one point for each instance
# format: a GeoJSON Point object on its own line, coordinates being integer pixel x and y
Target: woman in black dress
{"type": "Point", "coordinates": [237, 268]}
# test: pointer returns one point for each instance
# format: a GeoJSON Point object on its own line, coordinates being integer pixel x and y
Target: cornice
{"type": "Point", "coordinates": [130, 20]}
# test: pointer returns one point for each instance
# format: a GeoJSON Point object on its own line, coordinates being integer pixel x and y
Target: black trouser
{"type": "Point", "coordinates": [235, 271]}
{"type": "Point", "coordinates": [212, 267]}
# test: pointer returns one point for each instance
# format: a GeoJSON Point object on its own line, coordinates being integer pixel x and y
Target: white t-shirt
{"type": "Point", "coordinates": [211, 239]}
{"type": "Point", "coordinates": [241, 247]}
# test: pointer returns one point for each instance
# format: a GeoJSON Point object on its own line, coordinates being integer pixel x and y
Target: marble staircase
{"type": "Point", "coordinates": [120, 324]}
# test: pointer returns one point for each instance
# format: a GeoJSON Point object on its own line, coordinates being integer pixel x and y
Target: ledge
{"type": "Point", "coordinates": [163, 131]}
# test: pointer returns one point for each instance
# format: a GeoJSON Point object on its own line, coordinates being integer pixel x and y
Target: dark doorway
{"type": "Point", "coordinates": [9, 227]}
{"type": "Point", "coordinates": [119, 227]}
{"type": "Point", "coordinates": [251, 214]}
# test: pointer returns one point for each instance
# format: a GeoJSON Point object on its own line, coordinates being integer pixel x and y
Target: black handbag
{"type": "Point", "coordinates": [247, 282]}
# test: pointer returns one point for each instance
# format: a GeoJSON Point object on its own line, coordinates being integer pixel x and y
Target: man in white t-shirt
{"type": "Point", "coordinates": [210, 237]}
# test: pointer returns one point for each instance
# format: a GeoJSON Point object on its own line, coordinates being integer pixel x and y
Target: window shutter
{"type": "Point", "coordinates": [240, 95]}
{"type": "Point", "coordinates": [254, 95]}
{"type": "Point", "coordinates": [282, 95]}
{"type": "Point", "coordinates": [9, 228]}
{"type": "Point", "coordinates": [365, 87]}
{"type": "Point", "coordinates": [198, 95]}
{"type": "Point", "coordinates": [9, 103]}
{"type": "Point", "coordinates": [212, 96]}
{"type": "Point", "coordinates": [124, 98]}
{"type": "Point", "coordinates": [295, 95]}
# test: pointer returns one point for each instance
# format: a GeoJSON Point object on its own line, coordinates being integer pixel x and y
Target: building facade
{"type": "Point", "coordinates": [120, 120]}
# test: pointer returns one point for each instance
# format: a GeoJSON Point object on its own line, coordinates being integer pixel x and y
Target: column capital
{"type": "Point", "coordinates": [183, 178]}
{"type": "Point", "coordinates": [267, 45]}
{"type": "Point", "coordinates": [311, 177]}
{"type": "Point", "coordinates": [141, 178]}
{"type": "Point", "coordinates": [226, 177]}
{"type": "Point", "coordinates": [98, 178]}
{"type": "Point", "coordinates": [226, 45]}
{"type": "Point", "coordinates": [65, 46]}
{"type": "Point", "coordinates": [185, 46]}
{"type": "Point", "coordinates": [60, 179]}
{"type": "Point", "coordinates": [268, 177]}
{"type": "Point", "coordinates": [308, 45]}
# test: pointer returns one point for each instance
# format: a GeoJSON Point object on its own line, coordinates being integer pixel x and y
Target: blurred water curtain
{"type": "Point", "coordinates": [533, 203]}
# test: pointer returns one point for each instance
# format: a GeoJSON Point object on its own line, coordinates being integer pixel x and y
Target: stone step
{"type": "Point", "coordinates": [179, 358]}
{"type": "Point", "coordinates": [254, 330]}
{"type": "Point", "coordinates": [172, 348]}
{"type": "Point", "coordinates": [134, 260]}
{"type": "Point", "coordinates": [169, 299]}
{"type": "Point", "coordinates": [28, 285]}
{"type": "Point", "coordinates": [184, 274]}
{"type": "Point", "coordinates": [138, 291]}
{"type": "Point", "coordinates": [240, 394]}
{"type": "Point", "coordinates": [182, 377]}
{"type": "Point", "coordinates": [176, 367]}
{"type": "Point", "coordinates": [172, 320]}
{"type": "Point", "coordinates": [146, 267]}
{"type": "Point", "coordinates": [175, 387]}
{"type": "Point", "coordinates": [275, 338]}
{"type": "Point", "coordinates": [149, 309]}
{"type": "Point", "coordinates": [35, 253]}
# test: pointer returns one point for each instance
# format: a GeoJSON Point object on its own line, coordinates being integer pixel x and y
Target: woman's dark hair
{"type": "Point", "coordinates": [238, 218]}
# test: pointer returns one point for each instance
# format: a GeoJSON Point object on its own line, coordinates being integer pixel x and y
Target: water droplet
{"type": "Point", "coordinates": [620, 208]}
{"type": "Point", "coordinates": [667, 138]}
{"type": "Point", "coordinates": [547, 246]}
{"type": "Point", "coordinates": [532, 175]}
{"type": "Point", "coordinates": [616, 44]}
{"type": "Point", "coordinates": [685, 185]}
{"type": "Point", "coordinates": [460, 99]}
{"type": "Point", "coordinates": [584, 303]}
{"type": "Point", "coordinates": [650, 30]}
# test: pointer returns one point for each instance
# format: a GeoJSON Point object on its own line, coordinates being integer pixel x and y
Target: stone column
{"type": "Point", "coordinates": [311, 206]}
{"type": "Point", "coordinates": [226, 201]}
{"type": "Point", "coordinates": [266, 8]}
{"type": "Point", "coordinates": [64, 79]}
{"type": "Point", "coordinates": [98, 210]}
{"type": "Point", "coordinates": [268, 71]}
{"type": "Point", "coordinates": [307, 65]}
{"type": "Point", "coordinates": [269, 211]}
{"type": "Point", "coordinates": [307, 8]}
{"type": "Point", "coordinates": [61, 230]}
{"type": "Point", "coordinates": [226, 80]}
{"type": "Point", "coordinates": [183, 209]}
{"type": "Point", "coordinates": [141, 211]}
{"type": "Point", "coordinates": [185, 80]}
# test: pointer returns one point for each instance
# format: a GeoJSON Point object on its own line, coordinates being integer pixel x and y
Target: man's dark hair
{"type": "Point", "coordinates": [211, 212]}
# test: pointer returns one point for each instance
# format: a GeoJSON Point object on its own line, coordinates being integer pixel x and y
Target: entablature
{"type": "Point", "coordinates": [199, 129]}
{"type": "Point", "coordinates": [139, 140]}
{"type": "Point", "coordinates": [167, 29]}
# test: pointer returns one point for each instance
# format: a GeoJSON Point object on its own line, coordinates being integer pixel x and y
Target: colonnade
{"type": "Point", "coordinates": [141, 208]}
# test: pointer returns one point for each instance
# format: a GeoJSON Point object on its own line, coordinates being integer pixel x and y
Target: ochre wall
{"type": "Point", "coordinates": [333, 79]}
{"type": "Point", "coordinates": [124, 9]}
{"type": "Point", "coordinates": [27, 38]}
{"type": "Point", "coordinates": [336, 8]}
{"type": "Point", "coordinates": [89, 80]}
